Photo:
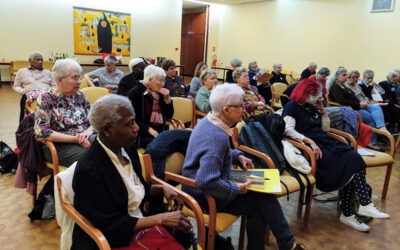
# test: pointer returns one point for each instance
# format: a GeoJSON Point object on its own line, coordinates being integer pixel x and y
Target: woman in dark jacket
{"type": "Point", "coordinates": [339, 166]}
{"type": "Point", "coordinates": [152, 103]}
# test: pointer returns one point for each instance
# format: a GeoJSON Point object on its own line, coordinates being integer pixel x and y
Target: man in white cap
{"type": "Point", "coordinates": [136, 66]}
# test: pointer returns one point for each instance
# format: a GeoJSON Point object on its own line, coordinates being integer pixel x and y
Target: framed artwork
{"type": "Point", "coordinates": [101, 31]}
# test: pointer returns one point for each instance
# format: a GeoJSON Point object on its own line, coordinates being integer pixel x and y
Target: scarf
{"type": "Point", "coordinates": [156, 116]}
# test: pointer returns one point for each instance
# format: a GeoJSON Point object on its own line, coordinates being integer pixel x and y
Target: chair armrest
{"type": "Point", "coordinates": [83, 223]}
{"type": "Point", "coordinates": [194, 206]}
{"type": "Point", "coordinates": [54, 156]}
{"type": "Point", "coordinates": [340, 135]}
{"type": "Point", "coordinates": [308, 151]}
{"type": "Point", "coordinates": [254, 152]}
{"type": "Point", "coordinates": [199, 113]}
{"type": "Point", "coordinates": [176, 123]}
{"type": "Point", "coordinates": [389, 137]}
{"type": "Point", "coordinates": [397, 143]}
{"type": "Point", "coordinates": [181, 179]}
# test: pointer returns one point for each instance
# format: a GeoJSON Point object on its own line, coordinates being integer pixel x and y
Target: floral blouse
{"type": "Point", "coordinates": [54, 112]}
{"type": "Point", "coordinates": [251, 98]}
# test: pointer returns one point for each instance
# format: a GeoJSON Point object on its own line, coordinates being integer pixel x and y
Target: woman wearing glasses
{"type": "Point", "coordinates": [371, 113]}
{"type": "Point", "coordinates": [339, 166]}
{"type": "Point", "coordinates": [152, 104]}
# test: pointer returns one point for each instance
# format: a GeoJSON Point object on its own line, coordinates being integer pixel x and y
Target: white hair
{"type": "Point", "coordinates": [236, 62]}
{"type": "Point", "coordinates": [225, 95]}
{"type": "Point", "coordinates": [276, 65]}
{"type": "Point", "coordinates": [368, 72]}
{"type": "Point", "coordinates": [106, 110]}
{"type": "Point", "coordinates": [152, 71]}
{"type": "Point", "coordinates": [33, 54]}
{"type": "Point", "coordinates": [391, 74]}
{"type": "Point", "coordinates": [238, 72]}
{"type": "Point", "coordinates": [397, 71]}
{"type": "Point", "coordinates": [312, 64]}
{"type": "Point", "coordinates": [64, 67]}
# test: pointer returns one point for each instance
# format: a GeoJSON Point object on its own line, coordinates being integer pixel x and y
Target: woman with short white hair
{"type": "Point", "coordinates": [152, 103]}
{"type": "Point", "coordinates": [62, 114]}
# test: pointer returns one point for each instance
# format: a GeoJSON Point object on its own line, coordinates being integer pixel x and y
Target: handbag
{"type": "Point", "coordinates": [8, 159]}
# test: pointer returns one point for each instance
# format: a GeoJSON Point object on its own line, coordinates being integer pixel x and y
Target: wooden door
{"type": "Point", "coordinates": [192, 41]}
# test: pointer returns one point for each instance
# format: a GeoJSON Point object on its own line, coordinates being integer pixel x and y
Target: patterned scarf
{"type": "Point", "coordinates": [156, 116]}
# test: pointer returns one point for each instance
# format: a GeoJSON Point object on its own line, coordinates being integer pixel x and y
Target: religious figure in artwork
{"type": "Point", "coordinates": [104, 35]}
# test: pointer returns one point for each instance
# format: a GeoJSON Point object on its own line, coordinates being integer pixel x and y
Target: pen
{"type": "Point", "coordinates": [257, 178]}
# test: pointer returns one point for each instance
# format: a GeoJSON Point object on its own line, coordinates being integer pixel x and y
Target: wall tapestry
{"type": "Point", "coordinates": [98, 31]}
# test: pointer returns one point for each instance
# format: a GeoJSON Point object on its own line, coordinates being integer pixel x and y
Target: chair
{"type": "Point", "coordinates": [329, 103]}
{"type": "Point", "coordinates": [218, 222]}
{"type": "Point", "coordinates": [15, 66]}
{"type": "Point", "coordinates": [98, 236]}
{"type": "Point", "coordinates": [277, 90]}
{"type": "Point", "coordinates": [290, 181]}
{"type": "Point", "coordinates": [94, 93]}
{"type": "Point", "coordinates": [380, 159]}
{"type": "Point", "coordinates": [184, 112]}
{"type": "Point", "coordinates": [84, 84]}
{"type": "Point", "coordinates": [48, 65]}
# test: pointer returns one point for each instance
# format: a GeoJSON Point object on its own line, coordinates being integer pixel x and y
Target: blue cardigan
{"type": "Point", "coordinates": [209, 161]}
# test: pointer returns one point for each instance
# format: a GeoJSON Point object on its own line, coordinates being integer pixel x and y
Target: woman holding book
{"type": "Point", "coordinates": [339, 166]}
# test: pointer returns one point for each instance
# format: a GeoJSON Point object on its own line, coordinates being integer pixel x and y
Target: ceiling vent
{"type": "Point", "coordinates": [382, 5]}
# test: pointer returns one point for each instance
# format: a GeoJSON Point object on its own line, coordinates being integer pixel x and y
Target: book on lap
{"type": "Point", "coordinates": [262, 180]}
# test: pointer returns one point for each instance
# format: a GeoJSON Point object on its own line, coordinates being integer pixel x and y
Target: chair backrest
{"type": "Point", "coordinates": [84, 84]}
{"type": "Point", "coordinates": [94, 93]}
{"type": "Point", "coordinates": [183, 109]}
{"type": "Point", "coordinates": [277, 90]}
{"type": "Point", "coordinates": [17, 65]}
{"type": "Point", "coordinates": [48, 65]}
{"type": "Point", "coordinates": [30, 106]}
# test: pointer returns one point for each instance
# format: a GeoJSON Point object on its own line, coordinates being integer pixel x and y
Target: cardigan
{"type": "Point", "coordinates": [137, 96]}
{"type": "Point", "coordinates": [101, 196]}
{"type": "Point", "coordinates": [209, 161]}
{"type": "Point", "coordinates": [357, 91]}
{"type": "Point", "coordinates": [176, 86]}
{"type": "Point", "coordinates": [195, 85]}
{"type": "Point", "coordinates": [343, 96]}
{"type": "Point", "coordinates": [278, 78]}
{"type": "Point", "coordinates": [203, 100]}
{"type": "Point", "coordinates": [307, 73]}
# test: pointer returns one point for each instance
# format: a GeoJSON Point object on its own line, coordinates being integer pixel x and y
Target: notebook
{"type": "Point", "coordinates": [262, 180]}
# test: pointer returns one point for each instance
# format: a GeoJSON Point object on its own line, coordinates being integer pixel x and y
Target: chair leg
{"type": "Point", "coordinates": [267, 235]}
{"type": "Point", "coordinates": [308, 205]}
{"type": "Point", "coordinates": [387, 179]}
{"type": "Point", "coordinates": [300, 205]}
{"type": "Point", "coordinates": [211, 237]}
{"type": "Point", "coordinates": [243, 223]}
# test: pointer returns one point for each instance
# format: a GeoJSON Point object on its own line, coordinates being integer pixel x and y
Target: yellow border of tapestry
{"type": "Point", "coordinates": [98, 31]}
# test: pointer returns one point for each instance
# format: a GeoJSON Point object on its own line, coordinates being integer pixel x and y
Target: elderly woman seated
{"type": "Point", "coordinates": [209, 79]}
{"type": "Point", "coordinates": [235, 63]}
{"type": "Point", "coordinates": [371, 114]}
{"type": "Point", "coordinates": [152, 103]}
{"type": "Point", "coordinates": [339, 166]}
{"type": "Point", "coordinates": [277, 75]}
{"type": "Point", "coordinates": [252, 100]}
{"type": "Point", "coordinates": [107, 77]}
{"type": "Point", "coordinates": [108, 183]}
{"type": "Point", "coordinates": [196, 84]}
{"type": "Point", "coordinates": [62, 114]}
{"type": "Point", "coordinates": [209, 161]}
{"type": "Point", "coordinates": [173, 82]}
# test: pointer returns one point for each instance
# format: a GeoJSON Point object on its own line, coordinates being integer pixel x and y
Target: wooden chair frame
{"type": "Point", "coordinates": [276, 95]}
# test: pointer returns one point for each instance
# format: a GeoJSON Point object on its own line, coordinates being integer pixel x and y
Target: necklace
{"type": "Point", "coordinates": [40, 75]}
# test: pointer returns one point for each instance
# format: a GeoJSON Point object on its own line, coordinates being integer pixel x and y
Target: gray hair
{"type": "Point", "coordinates": [110, 59]}
{"type": "Point", "coordinates": [152, 71]}
{"type": "Point", "coordinates": [225, 95]}
{"type": "Point", "coordinates": [391, 74]}
{"type": "Point", "coordinates": [339, 71]}
{"type": "Point", "coordinates": [397, 71]}
{"type": "Point", "coordinates": [236, 62]}
{"type": "Point", "coordinates": [33, 54]}
{"type": "Point", "coordinates": [276, 65]}
{"type": "Point", "coordinates": [324, 71]}
{"type": "Point", "coordinates": [312, 64]}
{"type": "Point", "coordinates": [251, 64]}
{"type": "Point", "coordinates": [105, 110]}
{"type": "Point", "coordinates": [368, 72]}
{"type": "Point", "coordinates": [64, 67]}
{"type": "Point", "coordinates": [238, 72]}
{"type": "Point", "coordinates": [205, 73]}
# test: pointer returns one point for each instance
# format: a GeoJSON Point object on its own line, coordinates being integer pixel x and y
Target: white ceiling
{"type": "Point", "coordinates": [187, 4]}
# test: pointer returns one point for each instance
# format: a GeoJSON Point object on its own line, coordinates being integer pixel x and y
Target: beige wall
{"type": "Point", "coordinates": [47, 25]}
{"type": "Point", "coordinates": [295, 32]}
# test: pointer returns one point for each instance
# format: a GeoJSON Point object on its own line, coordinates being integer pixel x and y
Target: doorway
{"type": "Point", "coordinates": [193, 36]}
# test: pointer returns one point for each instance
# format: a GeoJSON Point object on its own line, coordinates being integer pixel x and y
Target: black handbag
{"type": "Point", "coordinates": [8, 159]}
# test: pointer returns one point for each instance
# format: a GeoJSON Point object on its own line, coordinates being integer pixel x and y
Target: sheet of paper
{"type": "Point", "coordinates": [365, 152]}
{"type": "Point", "coordinates": [377, 97]}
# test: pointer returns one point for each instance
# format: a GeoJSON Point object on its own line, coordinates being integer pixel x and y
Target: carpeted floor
{"type": "Point", "coordinates": [323, 232]}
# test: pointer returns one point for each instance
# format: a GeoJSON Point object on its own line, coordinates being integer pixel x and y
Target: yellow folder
{"type": "Point", "coordinates": [263, 180]}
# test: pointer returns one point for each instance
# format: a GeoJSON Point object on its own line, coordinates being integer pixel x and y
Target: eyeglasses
{"type": "Point", "coordinates": [237, 106]}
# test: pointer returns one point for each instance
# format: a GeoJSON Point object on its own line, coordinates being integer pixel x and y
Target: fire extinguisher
{"type": "Point", "coordinates": [214, 61]}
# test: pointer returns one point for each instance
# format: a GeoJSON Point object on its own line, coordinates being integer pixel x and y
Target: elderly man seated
{"type": "Point", "coordinates": [32, 79]}
{"type": "Point", "coordinates": [136, 66]}
{"type": "Point", "coordinates": [108, 183]}
{"type": "Point", "coordinates": [209, 161]}
{"type": "Point", "coordinates": [309, 71]}
{"type": "Point", "coordinates": [107, 77]}
{"type": "Point", "coordinates": [277, 75]}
